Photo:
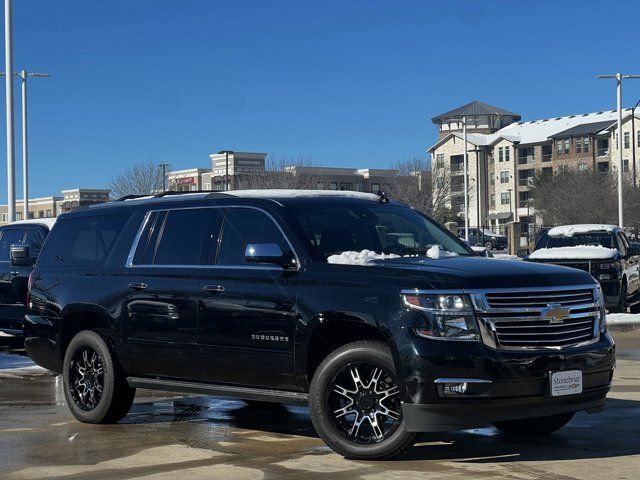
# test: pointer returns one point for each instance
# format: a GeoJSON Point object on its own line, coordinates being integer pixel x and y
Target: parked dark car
{"type": "Point", "coordinates": [379, 319]}
{"type": "Point", "coordinates": [603, 251]}
{"type": "Point", "coordinates": [20, 243]}
{"type": "Point", "coordinates": [486, 238]}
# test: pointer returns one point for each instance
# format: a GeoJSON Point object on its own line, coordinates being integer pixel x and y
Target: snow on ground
{"type": "Point", "coordinates": [579, 252]}
{"type": "Point", "coordinates": [622, 318]}
{"type": "Point", "coordinates": [571, 230]}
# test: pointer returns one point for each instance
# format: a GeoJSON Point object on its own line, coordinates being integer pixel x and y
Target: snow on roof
{"type": "Point", "coordinates": [47, 222]}
{"type": "Point", "coordinates": [571, 230]}
{"type": "Point", "coordinates": [579, 252]}
{"type": "Point", "coordinates": [281, 193]}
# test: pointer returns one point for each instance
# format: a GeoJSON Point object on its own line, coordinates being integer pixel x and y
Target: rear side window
{"type": "Point", "coordinates": [177, 237]}
{"type": "Point", "coordinates": [7, 238]}
{"type": "Point", "coordinates": [83, 241]}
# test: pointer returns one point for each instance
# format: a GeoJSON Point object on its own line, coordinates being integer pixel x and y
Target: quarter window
{"type": "Point", "coordinates": [9, 237]}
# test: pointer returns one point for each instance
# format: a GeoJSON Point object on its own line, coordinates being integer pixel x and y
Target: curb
{"type": "Point", "coordinates": [623, 326]}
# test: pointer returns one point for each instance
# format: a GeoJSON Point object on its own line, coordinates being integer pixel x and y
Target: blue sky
{"type": "Point", "coordinates": [347, 83]}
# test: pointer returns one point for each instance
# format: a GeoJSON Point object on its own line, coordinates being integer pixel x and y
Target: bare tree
{"type": "Point", "coordinates": [583, 197]}
{"type": "Point", "coordinates": [424, 188]}
{"type": "Point", "coordinates": [281, 172]}
{"type": "Point", "coordinates": [142, 178]}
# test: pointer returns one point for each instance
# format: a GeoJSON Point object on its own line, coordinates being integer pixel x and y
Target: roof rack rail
{"type": "Point", "coordinates": [129, 197]}
{"type": "Point", "coordinates": [186, 192]}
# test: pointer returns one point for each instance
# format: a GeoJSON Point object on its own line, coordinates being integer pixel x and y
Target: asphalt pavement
{"type": "Point", "coordinates": [170, 436]}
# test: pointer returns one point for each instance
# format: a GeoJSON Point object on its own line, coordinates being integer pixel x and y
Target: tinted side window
{"type": "Point", "coordinates": [243, 226]}
{"type": "Point", "coordinates": [83, 241]}
{"type": "Point", "coordinates": [184, 236]}
{"type": "Point", "coordinates": [35, 240]}
{"type": "Point", "coordinates": [7, 238]}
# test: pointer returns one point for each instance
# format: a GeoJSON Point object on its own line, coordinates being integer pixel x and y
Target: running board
{"type": "Point", "coordinates": [242, 393]}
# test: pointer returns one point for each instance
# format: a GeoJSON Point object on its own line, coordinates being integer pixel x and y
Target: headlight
{"type": "Point", "coordinates": [603, 315]}
{"type": "Point", "coordinates": [448, 316]}
{"type": "Point", "coordinates": [607, 266]}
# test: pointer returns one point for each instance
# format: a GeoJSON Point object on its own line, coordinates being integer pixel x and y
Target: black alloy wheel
{"type": "Point", "coordinates": [86, 378]}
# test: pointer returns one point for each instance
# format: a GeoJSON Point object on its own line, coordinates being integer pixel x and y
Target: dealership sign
{"type": "Point", "coordinates": [185, 180]}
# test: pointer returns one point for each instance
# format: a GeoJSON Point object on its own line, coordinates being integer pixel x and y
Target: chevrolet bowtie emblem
{"type": "Point", "coordinates": [555, 313]}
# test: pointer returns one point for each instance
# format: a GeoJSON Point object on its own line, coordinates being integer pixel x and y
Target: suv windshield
{"type": "Point", "coordinates": [602, 239]}
{"type": "Point", "coordinates": [331, 230]}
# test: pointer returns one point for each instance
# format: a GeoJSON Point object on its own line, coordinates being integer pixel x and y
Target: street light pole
{"type": "Point", "coordinates": [164, 175]}
{"type": "Point", "coordinates": [24, 75]}
{"type": "Point", "coordinates": [226, 176]}
{"type": "Point", "coordinates": [11, 160]}
{"type": "Point", "coordinates": [466, 182]}
{"type": "Point", "coordinates": [619, 77]}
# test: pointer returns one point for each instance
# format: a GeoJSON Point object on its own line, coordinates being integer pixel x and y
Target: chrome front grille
{"type": "Point", "coordinates": [540, 319]}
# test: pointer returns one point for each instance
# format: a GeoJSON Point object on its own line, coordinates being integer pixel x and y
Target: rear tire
{"type": "Point", "coordinates": [355, 386]}
{"type": "Point", "coordinates": [535, 427]}
{"type": "Point", "coordinates": [95, 386]}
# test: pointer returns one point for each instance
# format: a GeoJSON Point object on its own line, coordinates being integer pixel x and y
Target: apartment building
{"type": "Point", "coordinates": [503, 161]}
{"type": "Point", "coordinates": [50, 207]}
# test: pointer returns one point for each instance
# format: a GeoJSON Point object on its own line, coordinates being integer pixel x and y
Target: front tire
{"type": "Point", "coordinates": [354, 402]}
{"type": "Point", "coordinates": [534, 427]}
{"type": "Point", "coordinates": [621, 306]}
{"type": "Point", "coordinates": [94, 384]}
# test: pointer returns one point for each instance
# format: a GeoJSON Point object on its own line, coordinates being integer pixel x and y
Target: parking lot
{"type": "Point", "coordinates": [169, 436]}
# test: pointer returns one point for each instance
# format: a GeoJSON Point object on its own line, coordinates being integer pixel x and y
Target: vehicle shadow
{"type": "Point", "coordinates": [605, 435]}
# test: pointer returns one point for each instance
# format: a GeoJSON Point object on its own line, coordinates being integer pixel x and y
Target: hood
{"type": "Point", "coordinates": [476, 273]}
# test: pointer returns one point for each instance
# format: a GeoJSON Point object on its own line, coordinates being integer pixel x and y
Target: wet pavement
{"type": "Point", "coordinates": [170, 436]}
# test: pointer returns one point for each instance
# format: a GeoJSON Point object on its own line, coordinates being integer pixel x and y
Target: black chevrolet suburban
{"type": "Point", "coordinates": [379, 319]}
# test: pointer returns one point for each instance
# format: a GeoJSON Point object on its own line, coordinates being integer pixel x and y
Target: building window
{"type": "Point", "coordinates": [559, 147]}
{"type": "Point", "coordinates": [546, 153]}
{"type": "Point", "coordinates": [567, 146]}
{"type": "Point", "coordinates": [625, 165]}
{"type": "Point", "coordinates": [347, 186]}
{"type": "Point", "coordinates": [500, 154]}
{"type": "Point", "coordinates": [492, 200]}
{"type": "Point", "coordinates": [4, 217]}
{"type": "Point", "coordinates": [603, 167]}
{"type": "Point", "coordinates": [18, 215]}
{"type": "Point", "coordinates": [49, 213]}
{"type": "Point", "coordinates": [333, 186]}
{"type": "Point", "coordinates": [586, 144]}
{"type": "Point", "coordinates": [578, 145]}
{"type": "Point", "coordinates": [627, 140]}
{"type": "Point", "coordinates": [375, 187]}
{"type": "Point", "coordinates": [504, 176]}
{"type": "Point", "coordinates": [638, 140]}
{"type": "Point", "coordinates": [207, 186]}
{"type": "Point", "coordinates": [507, 154]}
{"type": "Point", "coordinates": [40, 213]}
{"type": "Point", "coordinates": [504, 198]}
{"type": "Point", "coordinates": [582, 166]}
{"type": "Point", "coordinates": [440, 160]}
{"type": "Point", "coordinates": [563, 168]}
{"type": "Point", "coordinates": [523, 198]}
{"type": "Point", "coordinates": [602, 147]}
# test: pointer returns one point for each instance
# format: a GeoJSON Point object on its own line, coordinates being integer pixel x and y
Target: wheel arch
{"type": "Point", "coordinates": [78, 317]}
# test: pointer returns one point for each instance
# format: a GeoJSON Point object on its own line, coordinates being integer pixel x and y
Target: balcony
{"type": "Point", "coordinates": [525, 182]}
{"type": "Point", "coordinates": [546, 157]}
{"type": "Point", "coordinates": [526, 159]}
{"type": "Point", "coordinates": [457, 167]}
{"type": "Point", "coordinates": [603, 152]}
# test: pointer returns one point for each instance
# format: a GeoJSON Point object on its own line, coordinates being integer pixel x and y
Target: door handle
{"type": "Point", "coordinates": [213, 288]}
{"type": "Point", "coordinates": [138, 286]}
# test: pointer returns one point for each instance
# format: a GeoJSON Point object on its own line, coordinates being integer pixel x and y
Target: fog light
{"type": "Point", "coordinates": [452, 389]}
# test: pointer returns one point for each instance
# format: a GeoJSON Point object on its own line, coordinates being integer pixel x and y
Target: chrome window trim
{"type": "Point", "coordinates": [132, 251]}
{"type": "Point", "coordinates": [461, 380]}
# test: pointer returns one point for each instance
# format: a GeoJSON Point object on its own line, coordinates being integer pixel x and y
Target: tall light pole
{"type": "Point", "coordinates": [24, 75]}
{"type": "Point", "coordinates": [164, 167]}
{"type": "Point", "coordinates": [466, 182]}
{"type": "Point", "coordinates": [619, 77]}
{"type": "Point", "coordinates": [11, 160]}
{"type": "Point", "coordinates": [633, 141]}
{"type": "Point", "coordinates": [226, 175]}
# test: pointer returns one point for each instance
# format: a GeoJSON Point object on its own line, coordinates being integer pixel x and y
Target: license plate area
{"type": "Point", "coordinates": [566, 382]}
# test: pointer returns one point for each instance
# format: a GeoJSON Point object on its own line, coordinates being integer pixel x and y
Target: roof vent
{"type": "Point", "coordinates": [599, 113]}
{"type": "Point", "coordinates": [571, 116]}
{"type": "Point", "coordinates": [585, 114]}
{"type": "Point", "coordinates": [558, 118]}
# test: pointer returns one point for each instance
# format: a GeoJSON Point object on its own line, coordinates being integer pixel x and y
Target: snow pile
{"type": "Point", "coordinates": [571, 230]}
{"type": "Point", "coordinates": [505, 256]}
{"type": "Point", "coordinates": [623, 318]}
{"type": "Point", "coordinates": [435, 252]}
{"type": "Point", "coordinates": [365, 257]}
{"type": "Point", "coordinates": [579, 252]}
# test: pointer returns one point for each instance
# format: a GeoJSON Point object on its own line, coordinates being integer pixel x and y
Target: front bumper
{"type": "Point", "coordinates": [517, 382]}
